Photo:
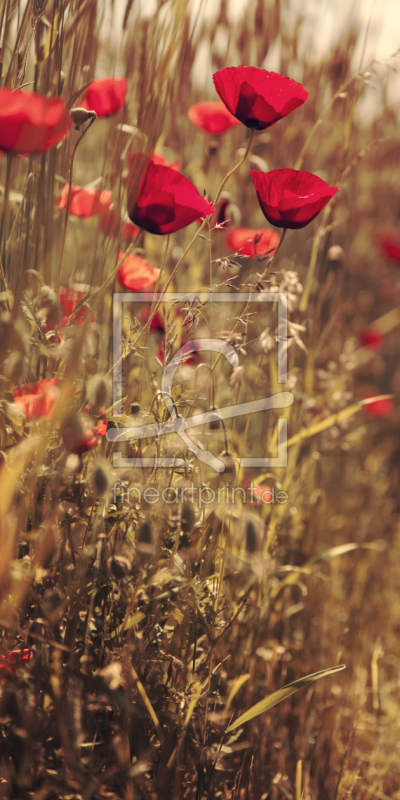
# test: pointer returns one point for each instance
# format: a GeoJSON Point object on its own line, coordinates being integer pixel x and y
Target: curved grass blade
{"type": "Point", "coordinates": [281, 694]}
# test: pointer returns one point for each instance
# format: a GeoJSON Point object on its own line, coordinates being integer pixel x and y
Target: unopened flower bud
{"type": "Point", "coordinates": [335, 256]}
{"type": "Point", "coordinates": [98, 391]}
{"type": "Point", "coordinates": [100, 476]}
{"type": "Point", "coordinates": [252, 544]}
{"type": "Point", "coordinates": [74, 464]}
{"type": "Point", "coordinates": [47, 306]}
{"type": "Point", "coordinates": [79, 116]}
{"type": "Point", "coordinates": [212, 148]}
{"type": "Point", "coordinates": [215, 420]}
{"type": "Point", "coordinates": [119, 566]}
{"type": "Point", "coordinates": [144, 545]}
{"type": "Point", "coordinates": [230, 465]}
{"type": "Point", "coordinates": [188, 518]}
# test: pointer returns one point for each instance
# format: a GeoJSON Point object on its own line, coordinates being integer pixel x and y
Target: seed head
{"type": "Point", "coordinates": [100, 476]}
{"type": "Point", "coordinates": [98, 391]}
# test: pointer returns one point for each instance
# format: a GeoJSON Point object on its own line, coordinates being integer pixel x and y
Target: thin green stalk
{"type": "Point", "coordinates": [235, 168]}
{"type": "Point", "coordinates": [92, 120]}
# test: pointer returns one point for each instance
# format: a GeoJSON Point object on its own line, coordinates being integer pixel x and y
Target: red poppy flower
{"type": "Point", "coordinates": [111, 224]}
{"type": "Point", "coordinates": [290, 198]}
{"type": "Point", "coordinates": [390, 244]}
{"type": "Point", "coordinates": [30, 122]}
{"type": "Point", "coordinates": [15, 658]}
{"type": "Point", "coordinates": [85, 203]}
{"type": "Point", "coordinates": [79, 436]}
{"type": "Point", "coordinates": [256, 97]}
{"type": "Point", "coordinates": [212, 117]}
{"type": "Point", "coordinates": [380, 409]}
{"type": "Point", "coordinates": [161, 200]}
{"type": "Point", "coordinates": [370, 338]}
{"type": "Point", "coordinates": [136, 273]}
{"type": "Point", "coordinates": [38, 399]}
{"type": "Point", "coordinates": [105, 96]}
{"type": "Point", "coordinates": [252, 243]}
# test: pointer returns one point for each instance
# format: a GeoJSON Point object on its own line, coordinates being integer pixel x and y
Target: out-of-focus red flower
{"type": "Point", "coordinates": [390, 244]}
{"type": "Point", "coordinates": [158, 321]}
{"type": "Point", "coordinates": [252, 243]}
{"type": "Point", "coordinates": [136, 273]}
{"type": "Point", "coordinates": [290, 198]}
{"type": "Point", "coordinates": [212, 117]}
{"type": "Point", "coordinates": [100, 427]}
{"type": "Point", "coordinates": [370, 338]}
{"type": "Point", "coordinates": [379, 409]}
{"type": "Point", "coordinates": [15, 658]}
{"type": "Point", "coordinates": [105, 96]}
{"type": "Point", "coordinates": [79, 435]}
{"type": "Point", "coordinates": [38, 399]}
{"type": "Point", "coordinates": [111, 224]}
{"type": "Point", "coordinates": [68, 302]}
{"type": "Point", "coordinates": [85, 203]}
{"type": "Point", "coordinates": [256, 97]}
{"type": "Point", "coordinates": [161, 200]}
{"type": "Point", "coordinates": [262, 493]}
{"type": "Point", "coordinates": [30, 122]}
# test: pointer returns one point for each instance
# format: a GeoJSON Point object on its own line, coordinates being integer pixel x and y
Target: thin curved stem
{"type": "Point", "coordinates": [3, 231]}
{"type": "Point", "coordinates": [235, 168]}
{"type": "Point", "coordinates": [92, 120]}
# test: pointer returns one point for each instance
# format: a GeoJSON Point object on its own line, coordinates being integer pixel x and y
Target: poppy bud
{"type": "Point", "coordinates": [119, 566]}
{"type": "Point", "coordinates": [215, 420]}
{"type": "Point", "coordinates": [212, 149]}
{"type": "Point", "coordinates": [145, 533]}
{"type": "Point", "coordinates": [251, 538]}
{"type": "Point", "coordinates": [74, 464]}
{"type": "Point", "coordinates": [188, 518]}
{"type": "Point", "coordinates": [47, 307]}
{"type": "Point", "coordinates": [144, 546]}
{"type": "Point", "coordinates": [135, 408]}
{"type": "Point", "coordinates": [100, 477]}
{"type": "Point", "coordinates": [98, 392]}
{"type": "Point", "coordinates": [79, 116]}
{"type": "Point", "coordinates": [335, 256]}
{"type": "Point", "coordinates": [230, 464]}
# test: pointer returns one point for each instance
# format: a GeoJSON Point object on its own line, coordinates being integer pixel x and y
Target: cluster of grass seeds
{"type": "Point", "coordinates": [158, 605]}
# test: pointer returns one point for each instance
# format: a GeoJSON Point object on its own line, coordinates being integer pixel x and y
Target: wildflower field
{"type": "Point", "coordinates": [199, 411]}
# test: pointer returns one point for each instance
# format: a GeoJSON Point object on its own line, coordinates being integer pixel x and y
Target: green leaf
{"type": "Point", "coordinates": [281, 694]}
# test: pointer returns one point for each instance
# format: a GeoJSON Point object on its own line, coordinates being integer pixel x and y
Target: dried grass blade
{"type": "Point", "coordinates": [281, 694]}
